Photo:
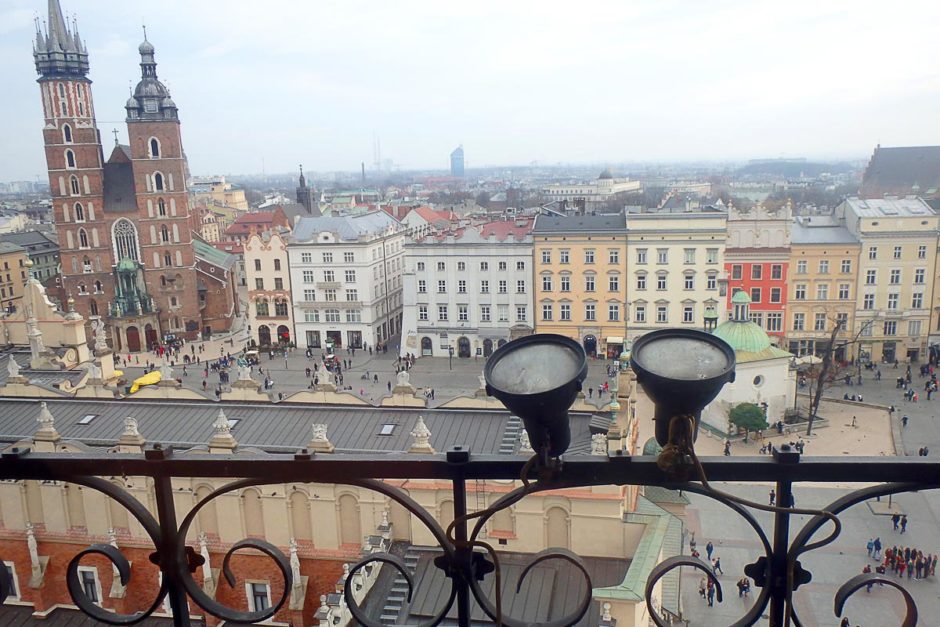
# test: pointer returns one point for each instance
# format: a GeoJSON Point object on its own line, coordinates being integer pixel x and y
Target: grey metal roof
{"type": "Point", "coordinates": [275, 428]}
{"type": "Point", "coordinates": [22, 616]}
{"type": "Point", "coordinates": [551, 590]}
{"type": "Point", "coordinates": [348, 228]}
{"type": "Point", "coordinates": [47, 379]}
{"type": "Point", "coordinates": [10, 247]}
{"type": "Point", "coordinates": [32, 241]}
{"type": "Point", "coordinates": [890, 207]}
{"type": "Point", "coordinates": [579, 224]}
{"type": "Point", "coordinates": [823, 232]}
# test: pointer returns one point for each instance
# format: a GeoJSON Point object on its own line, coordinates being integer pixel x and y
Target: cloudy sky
{"type": "Point", "coordinates": [514, 81]}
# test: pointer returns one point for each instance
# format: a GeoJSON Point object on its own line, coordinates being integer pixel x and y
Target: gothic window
{"type": "Point", "coordinates": [162, 281]}
{"type": "Point", "coordinates": [82, 238]}
{"type": "Point", "coordinates": [173, 301]}
{"type": "Point", "coordinates": [164, 234]}
{"type": "Point", "coordinates": [86, 265]}
{"type": "Point", "coordinates": [82, 289]}
{"type": "Point", "coordinates": [98, 287]}
{"type": "Point", "coordinates": [79, 212]}
{"type": "Point", "coordinates": [69, 159]}
{"type": "Point", "coordinates": [61, 90]}
{"type": "Point", "coordinates": [167, 259]}
{"type": "Point", "coordinates": [161, 207]}
{"type": "Point", "coordinates": [73, 181]}
{"type": "Point", "coordinates": [158, 182]}
{"type": "Point", "coordinates": [93, 307]}
{"type": "Point", "coordinates": [67, 134]}
{"type": "Point", "coordinates": [124, 235]}
{"type": "Point", "coordinates": [154, 148]}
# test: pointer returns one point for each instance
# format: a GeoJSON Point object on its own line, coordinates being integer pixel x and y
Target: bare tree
{"type": "Point", "coordinates": [827, 365]}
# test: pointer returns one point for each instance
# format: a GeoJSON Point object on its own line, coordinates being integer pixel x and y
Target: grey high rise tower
{"type": "Point", "coordinates": [456, 162]}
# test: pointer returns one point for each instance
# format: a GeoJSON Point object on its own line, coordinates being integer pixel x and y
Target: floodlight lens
{"type": "Point", "coordinates": [535, 368]}
{"type": "Point", "coordinates": [682, 358]}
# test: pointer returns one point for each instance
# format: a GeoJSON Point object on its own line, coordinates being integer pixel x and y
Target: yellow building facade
{"type": "Point", "coordinates": [897, 263]}
{"type": "Point", "coordinates": [822, 287]}
{"type": "Point", "coordinates": [579, 268]}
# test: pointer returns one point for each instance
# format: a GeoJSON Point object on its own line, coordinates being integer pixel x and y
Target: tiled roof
{"type": "Point", "coordinates": [502, 228]}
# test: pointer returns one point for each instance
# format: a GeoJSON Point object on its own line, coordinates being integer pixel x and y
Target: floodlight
{"type": "Point", "coordinates": [682, 371]}
{"type": "Point", "coordinates": [538, 377]}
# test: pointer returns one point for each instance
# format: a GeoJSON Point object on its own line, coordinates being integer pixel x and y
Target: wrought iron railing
{"type": "Point", "coordinates": [777, 572]}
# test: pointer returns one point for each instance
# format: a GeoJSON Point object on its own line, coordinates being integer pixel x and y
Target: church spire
{"type": "Point", "coordinates": [61, 53]}
{"type": "Point", "coordinates": [303, 181]}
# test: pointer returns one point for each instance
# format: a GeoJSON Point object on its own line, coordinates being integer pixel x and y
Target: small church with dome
{"type": "Point", "coordinates": [763, 372]}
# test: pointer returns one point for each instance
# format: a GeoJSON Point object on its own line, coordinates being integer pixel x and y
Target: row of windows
{"type": "Point", "coordinates": [757, 271]}
{"type": "Point", "coordinates": [822, 291]}
{"type": "Point", "coordinates": [917, 301]}
{"type": "Point", "coordinates": [463, 313]}
{"type": "Point", "coordinates": [462, 266]}
{"type": "Point", "coordinates": [501, 285]}
{"type": "Point", "coordinates": [277, 265]}
{"type": "Point", "coordinates": [897, 252]}
{"type": "Point", "coordinates": [822, 322]}
{"type": "Point", "coordinates": [278, 283]}
{"type": "Point", "coordinates": [845, 266]}
{"type": "Point", "coordinates": [331, 295]}
{"type": "Point", "coordinates": [332, 315]}
{"type": "Point", "coordinates": [614, 313]}
{"type": "Point", "coordinates": [348, 257]}
{"type": "Point", "coordinates": [329, 276]}
{"type": "Point", "coordinates": [894, 276]}
{"type": "Point", "coordinates": [613, 256]}
{"type": "Point", "coordinates": [613, 283]}
{"type": "Point", "coordinates": [281, 307]}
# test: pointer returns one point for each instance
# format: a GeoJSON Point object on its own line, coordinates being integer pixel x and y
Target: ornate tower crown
{"type": "Point", "coordinates": [59, 53]}
{"type": "Point", "coordinates": [151, 100]}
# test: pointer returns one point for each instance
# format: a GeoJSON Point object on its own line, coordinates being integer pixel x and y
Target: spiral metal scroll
{"type": "Point", "coordinates": [450, 556]}
{"type": "Point", "coordinates": [150, 525]}
{"type": "Point", "coordinates": [196, 593]}
{"type": "Point", "coordinates": [857, 582]}
{"type": "Point", "coordinates": [507, 500]}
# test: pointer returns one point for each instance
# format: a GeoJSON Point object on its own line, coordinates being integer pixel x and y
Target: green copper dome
{"type": "Point", "coordinates": [749, 341]}
{"type": "Point", "coordinates": [743, 336]}
{"type": "Point", "coordinates": [740, 298]}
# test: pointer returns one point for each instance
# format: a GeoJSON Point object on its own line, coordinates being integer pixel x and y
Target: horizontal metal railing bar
{"type": "Point", "coordinates": [580, 470]}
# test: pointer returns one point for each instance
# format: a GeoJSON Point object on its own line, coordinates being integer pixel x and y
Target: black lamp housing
{"type": "Point", "coordinates": [538, 377]}
{"type": "Point", "coordinates": [682, 371]}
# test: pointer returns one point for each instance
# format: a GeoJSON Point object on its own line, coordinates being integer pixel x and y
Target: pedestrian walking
{"type": "Point", "coordinates": [896, 519]}
{"type": "Point", "coordinates": [866, 571]}
{"type": "Point", "coordinates": [716, 566]}
{"type": "Point", "coordinates": [389, 385]}
{"type": "Point", "coordinates": [871, 546]}
{"type": "Point", "coordinates": [708, 549]}
{"type": "Point", "coordinates": [702, 587]}
{"type": "Point", "coordinates": [877, 548]}
{"type": "Point", "coordinates": [711, 593]}
{"type": "Point", "coordinates": [903, 523]}
{"type": "Point", "coordinates": [904, 420]}
{"type": "Point", "coordinates": [772, 497]}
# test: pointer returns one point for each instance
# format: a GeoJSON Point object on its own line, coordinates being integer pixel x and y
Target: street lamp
{"type": "Point", "coordinates": [450, 357]}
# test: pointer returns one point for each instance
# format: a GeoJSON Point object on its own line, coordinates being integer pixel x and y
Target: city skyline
{"type": "Point", "coordinates": [512, 85]}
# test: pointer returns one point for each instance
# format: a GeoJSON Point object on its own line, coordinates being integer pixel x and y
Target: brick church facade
{"type": "Point", "coordinates": [126, 227]}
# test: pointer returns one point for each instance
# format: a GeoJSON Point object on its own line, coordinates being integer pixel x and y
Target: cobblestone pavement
{"type": "Point", "coordinates": [737, 545]}
{"type": "Point", "coordinates": [447, 377]}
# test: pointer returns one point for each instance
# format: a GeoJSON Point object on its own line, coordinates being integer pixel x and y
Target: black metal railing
{"type": "Point", "coordinates": [777, 572]}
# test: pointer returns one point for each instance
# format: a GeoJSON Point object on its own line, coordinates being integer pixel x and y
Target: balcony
{"type": "Point", "coordinates": [178, 558]}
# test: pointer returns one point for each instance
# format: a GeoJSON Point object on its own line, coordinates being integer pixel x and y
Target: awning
{"type": "Point", "coordinates": [615, 340]}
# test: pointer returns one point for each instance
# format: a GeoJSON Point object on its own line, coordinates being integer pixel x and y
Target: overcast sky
{"type": "Point", "coordinates": [515, 82]}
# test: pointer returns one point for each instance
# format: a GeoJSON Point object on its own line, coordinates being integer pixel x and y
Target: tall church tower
{"type": "Point", "coordinates": [164, 221]}
{"type": "Point", "coordinates": [74, 159]}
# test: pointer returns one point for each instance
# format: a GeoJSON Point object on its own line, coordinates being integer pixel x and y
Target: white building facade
{"type": "Point", "coordinates": [469, 292]}
{"type": "Point", "coordinates": [346, 274]}
{"type": "Point", "coordinates": [675, 269]}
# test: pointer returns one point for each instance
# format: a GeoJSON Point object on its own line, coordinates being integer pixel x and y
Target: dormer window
{"type": "Point", "coordinates": [150, 106]}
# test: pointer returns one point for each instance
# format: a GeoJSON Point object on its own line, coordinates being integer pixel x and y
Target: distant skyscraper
{"type": "Point", "coordinates": [456, 162]}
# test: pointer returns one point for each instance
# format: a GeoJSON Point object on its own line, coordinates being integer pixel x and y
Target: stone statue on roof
{"type": "Point", "coordinates": [13, 368]}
